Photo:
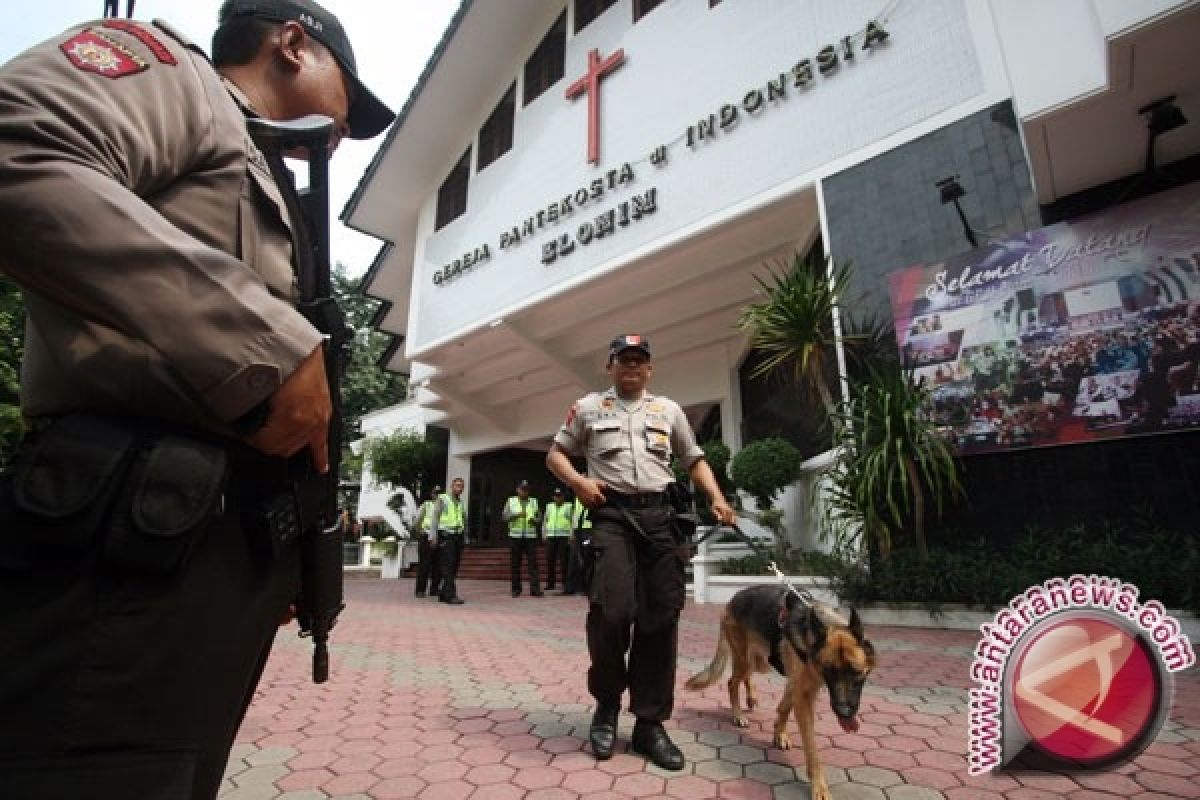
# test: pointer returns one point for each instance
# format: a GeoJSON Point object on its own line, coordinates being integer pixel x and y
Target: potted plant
{"type": "Point", "coordinates": [890, 460]}
{"type": "Point", "coordinates": [388, 548]}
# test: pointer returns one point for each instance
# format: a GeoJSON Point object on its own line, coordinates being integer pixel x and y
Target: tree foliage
{"type": "Point", "coordinates": [793, 328]}
{"type": "Point", "coordinates": [402, 458]}
{"type": "Point", "coordinates": [366, 386]}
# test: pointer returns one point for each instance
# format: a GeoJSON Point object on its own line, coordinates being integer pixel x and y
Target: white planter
{"type": "Point", "coordinates": [722, 588]}
{"type": "Point", "coordinates": [390, 569]}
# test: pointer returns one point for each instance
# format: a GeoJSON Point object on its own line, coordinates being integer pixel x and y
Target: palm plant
{"type": "Point", "coordinates": [890, 458]}
{"type": "Point", "coordinates": [793, 328]}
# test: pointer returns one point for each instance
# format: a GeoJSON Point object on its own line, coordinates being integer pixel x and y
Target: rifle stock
{"type": "Point", "coordinates": [321, 590]}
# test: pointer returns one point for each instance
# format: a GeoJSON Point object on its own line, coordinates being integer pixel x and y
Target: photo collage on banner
{"type": "Point", "coordinates": [1084, 330]}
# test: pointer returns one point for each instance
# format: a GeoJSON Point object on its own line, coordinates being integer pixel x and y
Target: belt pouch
{"type": "Point", "coordinates": [60, 492]}
{"type": "Point", "coordinates": [175, 489]}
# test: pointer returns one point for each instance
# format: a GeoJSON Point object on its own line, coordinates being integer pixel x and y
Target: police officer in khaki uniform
{"type": "Point", "coordinates": [629, 438]}
{"type": "Point", "coordinates": [163, 353]}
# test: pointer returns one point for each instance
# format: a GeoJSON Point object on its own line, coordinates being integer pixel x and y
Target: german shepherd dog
{"type": "Point", "coordinates": [771, 625]}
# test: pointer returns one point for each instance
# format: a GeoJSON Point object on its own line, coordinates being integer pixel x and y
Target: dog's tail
{"type": "Point", "coordinates": [713, 672]}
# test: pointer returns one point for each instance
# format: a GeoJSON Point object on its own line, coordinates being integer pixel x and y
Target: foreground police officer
{"type": "Point", "coordinates": [628, 438]}
{"type": "Point", "coordinates": [166, 377]}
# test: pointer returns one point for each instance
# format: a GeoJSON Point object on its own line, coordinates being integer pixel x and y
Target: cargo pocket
{"type": "Point", "coordinates": [59, 494]}
{"type": "Point", "coordinates": [175, 489]}
{"type": "Point", "coordinates": [606, 438]}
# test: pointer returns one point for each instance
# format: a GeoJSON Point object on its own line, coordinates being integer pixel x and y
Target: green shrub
{"type": "Point", "coordinates": [764, 467]}
{"type": "Point", "coordinates": [1164, 564]}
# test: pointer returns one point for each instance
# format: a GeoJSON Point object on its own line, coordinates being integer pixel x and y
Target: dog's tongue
{"type": "Point", "coordinates": [849, 724]}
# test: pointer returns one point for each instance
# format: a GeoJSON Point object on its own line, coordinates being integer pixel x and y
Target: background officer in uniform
{"type": "Point", "coordinates": [429, 568]}
{"type": "Point", "coordinates": [155, 252]}
{"type": "Point", "coordinates": [556, 530]}
{"type": "Point", "coordinates": [449, 530]}
{"type": "Point", "coordinates": [521, 515]}
{"type": "Point", "coordinates": [629, 438]}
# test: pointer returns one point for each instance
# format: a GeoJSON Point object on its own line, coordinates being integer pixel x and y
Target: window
{"type": "Point", "coordinates": [452, 197]}
{"type": "Point", "coordinates": [496, 135]}
{"type": "Point", "coordinates": [643, 7]}
{"type": "Point", "coordinates": [545, 67]}
{"type": "Point", "coordinates": [588, 10]}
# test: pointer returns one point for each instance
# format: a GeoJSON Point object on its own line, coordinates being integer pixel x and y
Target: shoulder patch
{"type": "Point", "coordinates": [92, 51]}
{"type": "Point", "coordinates": [571, 415]}
{"type": "Point", "coordinates": [144, 36]}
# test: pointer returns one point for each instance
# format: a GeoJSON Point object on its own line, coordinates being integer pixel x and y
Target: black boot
{"type": "Point", "coordinates": [603, 734]}
{"type": "Point", "coordinates": [651, 740]}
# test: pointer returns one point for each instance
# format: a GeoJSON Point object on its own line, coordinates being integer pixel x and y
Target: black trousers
{"type": "Point", "coordinates": [573, 582]}
{"type": "Point", "coordinates": [449, 554]}
{"type": "Point", "coordinates": [527, 549]}
{"type": "Point", "coordinates": [117, 684]}
{"type": "Point", "coordinates": [429, 566]}
{"type": "Point", "coordinates": [557, 550]}
{"type": "Point", "coordinates": [636, 596]}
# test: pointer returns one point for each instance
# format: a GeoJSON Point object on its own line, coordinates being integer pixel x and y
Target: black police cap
{"type": "Point", "coordinates": [368, 115]}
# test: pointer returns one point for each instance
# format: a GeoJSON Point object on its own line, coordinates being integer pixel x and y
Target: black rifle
{"type": "Point", "coordinates": [321, 598]}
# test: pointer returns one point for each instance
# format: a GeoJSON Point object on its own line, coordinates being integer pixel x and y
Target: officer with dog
{"type": "Point", "coordinates": [628, 438]}
{"type": "Point", "coordinates": [148, 548]}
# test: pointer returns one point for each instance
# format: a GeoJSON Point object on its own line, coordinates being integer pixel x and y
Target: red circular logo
{"type": "Point", "coordinates": [1086, 690]}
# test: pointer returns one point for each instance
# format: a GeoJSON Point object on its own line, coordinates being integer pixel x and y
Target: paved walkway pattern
{"type": "Point", "coordinates": [487, 701]}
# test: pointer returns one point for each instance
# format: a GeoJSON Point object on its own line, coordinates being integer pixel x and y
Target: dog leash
{"type": "Point", "coordinates": [804, 595]}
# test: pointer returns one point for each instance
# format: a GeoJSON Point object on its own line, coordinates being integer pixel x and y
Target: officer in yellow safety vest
{"type": "Point", "coordinates": [581, 523]}
{"type": "Point", "coordinates": [557, 528]}
{"type": "Point", "coordinates": [429, 570]}
{"type": "Point", "coordinates": [447, 537]}
{"type": "Point", "coordinates": [521, 514]}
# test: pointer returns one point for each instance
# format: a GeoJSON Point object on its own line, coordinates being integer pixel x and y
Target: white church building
{"type": "Point", "coordinates": [567, 170]}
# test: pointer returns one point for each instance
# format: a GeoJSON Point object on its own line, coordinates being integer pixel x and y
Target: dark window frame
{"type": "Point", "coordinates": [643, 7]}
{"type": "Point", "coordinates": [452, 195]}
{"type": "Point", "coordinates": [587, 10]}
{"type": "Point", "coordinates": [496, 134]}
{"type": "Point", "coordinates": [547, 64]}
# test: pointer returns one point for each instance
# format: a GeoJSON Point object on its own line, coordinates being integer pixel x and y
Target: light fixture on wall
{"type": "Point", "coordinates": [1163, 115]}
{"type": "Point", "coordinates": [951, 191]}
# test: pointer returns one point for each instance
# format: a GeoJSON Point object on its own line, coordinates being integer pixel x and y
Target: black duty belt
{"type": "Point", "coordinates": [639, 500]}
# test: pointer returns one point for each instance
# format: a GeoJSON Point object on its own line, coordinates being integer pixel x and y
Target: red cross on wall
{"type": "Point", "coordinates": [590, 84]}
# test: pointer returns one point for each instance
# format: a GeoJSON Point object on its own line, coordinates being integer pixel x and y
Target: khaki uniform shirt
{"type": "Point", "coordinates": [151, 242]}
{"type": "Point", "coordinates": [630, 451]}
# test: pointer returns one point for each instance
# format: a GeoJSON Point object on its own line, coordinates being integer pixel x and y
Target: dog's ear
{"type": "Point", "coordinates": [856, 626]}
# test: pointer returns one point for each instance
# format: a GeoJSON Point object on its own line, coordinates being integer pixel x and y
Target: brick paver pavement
{"type": "Point", "coordinates": [486, 701]}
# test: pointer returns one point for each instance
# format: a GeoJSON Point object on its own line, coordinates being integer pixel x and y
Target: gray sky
{"type": "Point", "coordinates": [392, 41]}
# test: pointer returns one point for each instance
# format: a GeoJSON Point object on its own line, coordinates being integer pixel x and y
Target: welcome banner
{"type": "Point", "coordinates": [1083, 330]}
